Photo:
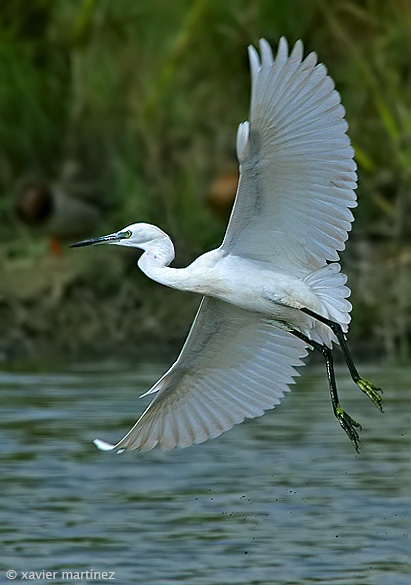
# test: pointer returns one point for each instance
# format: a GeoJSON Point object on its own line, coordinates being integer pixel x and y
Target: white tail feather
{"type": "Point", "coordinates": [328, 283]}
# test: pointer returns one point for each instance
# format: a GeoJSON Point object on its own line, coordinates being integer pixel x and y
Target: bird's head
{"type": "Point", "coordinates": [136, 235]}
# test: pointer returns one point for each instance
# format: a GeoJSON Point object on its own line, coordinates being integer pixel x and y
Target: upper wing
{"type": "Point", "coordinates": [297, 172]}
{"type": "Point", "coordinates": [234, 365]}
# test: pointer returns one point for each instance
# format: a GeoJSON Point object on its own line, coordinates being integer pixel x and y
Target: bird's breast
{"type": "Point", "coordinates": [256, 288]}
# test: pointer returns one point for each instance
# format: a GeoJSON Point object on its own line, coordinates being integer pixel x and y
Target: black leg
{"type": "Point", "coordinates": [369, 389]}
{"type": "Point", "coordinates": [349, 425]}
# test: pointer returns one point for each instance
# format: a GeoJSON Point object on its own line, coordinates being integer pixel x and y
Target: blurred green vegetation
{"type": "Point", "coordinates": [145, 97]}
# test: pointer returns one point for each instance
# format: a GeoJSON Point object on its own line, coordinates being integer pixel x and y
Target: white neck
{"type": "Point", "coordinates": [155, 260]}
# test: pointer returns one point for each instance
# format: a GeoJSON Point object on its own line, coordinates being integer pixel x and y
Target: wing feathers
{"type": "Point", "coordinates": [242, 367]}
{"type": "Point", "coordinates": [254, 62]}
{"type": "Point", "coordinates": [296, 163]}
{"type": "Point", "coordinates": [267, 54]}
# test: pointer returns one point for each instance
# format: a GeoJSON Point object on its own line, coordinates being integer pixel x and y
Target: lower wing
{"type": "Point", "coordinates": [234, 365]}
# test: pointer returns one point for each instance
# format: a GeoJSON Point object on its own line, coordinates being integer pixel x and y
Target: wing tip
{"type": "Point", "coordinates": [264, 57]}
{"type": "Point", "coordinates": [297, 52]}
{"type": "Point", "coordinates": [266, 53]}
{"type": "Point", "coordinates": [254, 59]}
{"type": "Point", "coordinates": [103, 445]}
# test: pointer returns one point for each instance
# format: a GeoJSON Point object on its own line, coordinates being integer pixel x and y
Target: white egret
{"type": "Point", "coordinates": [273, 288]}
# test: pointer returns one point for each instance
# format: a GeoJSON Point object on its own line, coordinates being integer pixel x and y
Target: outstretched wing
{"type": "Point", "coordinates": [234, 365]}
{"type": "Point", "coordinates": [297, 172]}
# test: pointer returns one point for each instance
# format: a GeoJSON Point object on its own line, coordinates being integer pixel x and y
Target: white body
{"type": "Point", "coordinates": [290, 219]}
{"type": "Point", "coordinates": [248, 284]}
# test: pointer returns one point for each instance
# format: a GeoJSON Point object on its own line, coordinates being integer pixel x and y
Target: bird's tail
{"type": "Point", "coordinates": [328, 283]}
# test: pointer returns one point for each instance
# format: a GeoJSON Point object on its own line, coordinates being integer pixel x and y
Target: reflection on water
{"type": "Point", "coordinates": [282, 499]}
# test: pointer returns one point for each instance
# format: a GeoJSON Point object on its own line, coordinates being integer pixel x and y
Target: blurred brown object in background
{"type": "Point", "coordinates": [221, 196]}
{"type": "Point", "coordinates": [59, 210]}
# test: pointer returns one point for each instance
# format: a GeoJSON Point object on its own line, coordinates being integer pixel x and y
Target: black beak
{"type": "Point", "coordinates": [102, 240]}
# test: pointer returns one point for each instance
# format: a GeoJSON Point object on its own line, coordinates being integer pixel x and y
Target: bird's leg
{"type": "Point", "coordinates": [349, 425]}
{"type": "Point", "coordinates": [373, 392]}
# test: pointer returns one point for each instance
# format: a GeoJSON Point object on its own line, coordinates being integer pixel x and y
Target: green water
{"type": "Point", "coordinates": [283, 499]}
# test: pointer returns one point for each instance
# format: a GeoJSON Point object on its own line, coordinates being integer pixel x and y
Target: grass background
{"type": "Point", "coordinates": [143, 99]}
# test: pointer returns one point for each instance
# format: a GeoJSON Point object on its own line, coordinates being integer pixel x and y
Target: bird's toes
{"type": "Point", "coordinates": [373, 392]}
{"type": "Point", "coordinates": [350, 426]}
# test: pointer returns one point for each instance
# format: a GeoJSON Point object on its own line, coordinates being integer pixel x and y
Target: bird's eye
{"type": "Point", "coordinates": [127, 234]}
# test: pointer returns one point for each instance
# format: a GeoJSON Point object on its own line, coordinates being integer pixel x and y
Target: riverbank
{"type": "Point", "coordinates": [99, 305]}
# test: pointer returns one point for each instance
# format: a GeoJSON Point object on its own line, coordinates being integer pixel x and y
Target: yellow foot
{"type": "Point", "coordinates": [350, 426]}
{"type": "Point", "coordinates": [371, 391]}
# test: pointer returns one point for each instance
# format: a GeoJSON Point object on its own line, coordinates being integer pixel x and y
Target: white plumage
{"type": "Point", "coordinates": [296, 163]}
{"type": "Point", "coordinates": [290, 218]}
{"type": "Point", "coordinates": [233, 366]}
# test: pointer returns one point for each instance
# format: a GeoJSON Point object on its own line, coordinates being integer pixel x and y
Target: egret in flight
{"type": "Point", "coordinates": [274, 288]}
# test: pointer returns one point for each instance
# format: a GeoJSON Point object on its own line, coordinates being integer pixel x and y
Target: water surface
{"type": "Point", "coordinates": [283, 499]}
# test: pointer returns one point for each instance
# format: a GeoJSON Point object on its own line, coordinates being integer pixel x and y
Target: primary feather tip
{"type": "Point", "coordinates": [102, 445]}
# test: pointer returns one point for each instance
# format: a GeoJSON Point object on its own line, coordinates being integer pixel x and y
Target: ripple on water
{"type": "Point", "coordinates": [281, 499]}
